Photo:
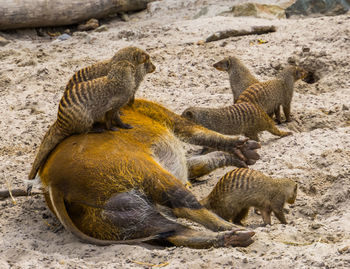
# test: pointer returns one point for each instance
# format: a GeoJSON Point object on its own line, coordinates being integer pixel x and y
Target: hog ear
{"type": "Point", "coordinates": [189, 114]}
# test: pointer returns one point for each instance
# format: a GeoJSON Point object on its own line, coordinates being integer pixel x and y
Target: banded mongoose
{"type": "Point", "coordinates": [239, 75]}
{"type": "Point", "coordinates": [86, 103]}
{"type": "Point", "coordinates": [271, 94]}
{"type": "Point", "coordinates": [243, 188]}
{"type": "Point", "coordinates": [100, 69]}
{"type": "Point", "coordinates": [105, 195]}
{"type": "Point", "coordinates": [243, 118]}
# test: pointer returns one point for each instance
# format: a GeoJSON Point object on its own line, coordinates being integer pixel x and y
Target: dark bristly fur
{"type": "Point", "coordinates": [243, 188]}
{"type": "Point", "coordinates": [243, 118]}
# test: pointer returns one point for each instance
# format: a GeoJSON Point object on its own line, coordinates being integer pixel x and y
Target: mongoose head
{"type": "Point", "coordinates": [227, 63]}
{"type": "Point", "coordinates": [290, 188]}
{"type": "Point", "coordinates": [296, 71]}
{"type": "Point", "coordinates": [194, 114]}
{"type": "Point", "coordinates": [133, 54]}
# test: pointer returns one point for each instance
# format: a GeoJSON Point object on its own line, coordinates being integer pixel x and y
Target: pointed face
{"type": "Point", "coordinates": [300, 73]}
{"type": "Point", "coordinates": [222, 65]}
{"type": "Point", "coordinates": [293, 195]}
{"type": "Point", "coordinates": [149, 66]}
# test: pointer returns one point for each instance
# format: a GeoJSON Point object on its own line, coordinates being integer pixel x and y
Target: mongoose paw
{"type": "Point", "coordinates": [238, 238]}
{"type": "Point", "coordinates": [114, 129]}
{"type": "Point", "coordinates": [248, 151]}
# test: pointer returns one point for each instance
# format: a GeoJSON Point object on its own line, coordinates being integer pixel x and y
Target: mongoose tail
{"type": "Point", "coordinates": [51, 139]}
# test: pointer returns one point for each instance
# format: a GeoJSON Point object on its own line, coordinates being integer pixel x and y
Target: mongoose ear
{"type": "Point", "coordinates": [142, 58]}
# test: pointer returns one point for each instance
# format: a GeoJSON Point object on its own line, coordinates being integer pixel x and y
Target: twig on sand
{"type": "Point", "coordinates": [14, 193]}
{"type": "Point", "coordinates": [150, 264]}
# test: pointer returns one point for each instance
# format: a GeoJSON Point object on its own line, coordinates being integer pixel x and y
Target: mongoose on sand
{"type": "Point", "coordinates": [273, 93]}
{"type": "Point", "coordinates": [86, 103]}
{"type": "Point", "coordinates": [239, 75]}
{"type": "Point", "coordinates": [105, 186]}
{"type": "Point", "coordinates": [243, 118]}
{"type": "Point", "coordinates": [243, 188]}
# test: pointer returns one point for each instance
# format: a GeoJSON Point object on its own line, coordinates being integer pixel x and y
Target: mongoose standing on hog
{"type": "Point", "coordinates": [273, 93]}
{"type": "Point", "coordinates": [243, 188]}
{"type": "Point", "coordinates": [100, 69]}
{"type": "Point", "coordinates": [240, 77]}
{"type": "Point", "coordinates": [86, 103]}
{"type": "Point", "coordinates": [243, 118]}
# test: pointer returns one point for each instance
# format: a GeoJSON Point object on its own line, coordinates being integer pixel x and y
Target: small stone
{"type": "Point", "coordinates": [306, 49]}
{"type": "Point", "coordinates": [3, 41]}
{"type": "Point", "coordinates": [344, 250]}
{"type": "Point", "coordinates": [102, 28]}
{"type": "Point", "coordinates": [223, 44]}
{"type": "Point", "coordinates": [124, 17]}
{"type": "Point", "coordinates": [245, 260]}
{"type": "Point", "coordinates": [345, 107]}
{"type": "Point", "coordinates": [291, 60]}
{"type": "Point", "coordinates": [81, 34]}
{"type": "Point", "coordinates": [316, 226]}
{"type": "Point", "coordinates": [63, 37]}
{"type": "Point", "coordinates": [89, 25]}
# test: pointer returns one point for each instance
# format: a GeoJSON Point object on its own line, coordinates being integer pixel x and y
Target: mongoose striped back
{"type": "Point", "coordinates": [97, 70]}
{"type": "Point", "coordinates": [239, 178]}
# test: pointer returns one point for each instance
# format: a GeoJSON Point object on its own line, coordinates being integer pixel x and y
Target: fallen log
{"type": "Point", "coordinates": [39, 13]}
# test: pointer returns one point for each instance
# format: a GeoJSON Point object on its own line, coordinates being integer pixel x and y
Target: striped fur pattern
{"type": "Point", "coordinates": [272, 94]}
{"type": "Point", "coordinates": [243, 118]}
{"type": "Point", "coordinates": [86, 103]}
{"type": "Point", "coordinates": [239, 75]}
{"type": "Point", "coordinates": [242, 188]}
{"type": "Point", "coordinates": [132, 54]}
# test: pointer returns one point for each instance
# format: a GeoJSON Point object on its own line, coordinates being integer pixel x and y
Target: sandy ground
{"type": "Point", "coordinates": [34, 71]}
